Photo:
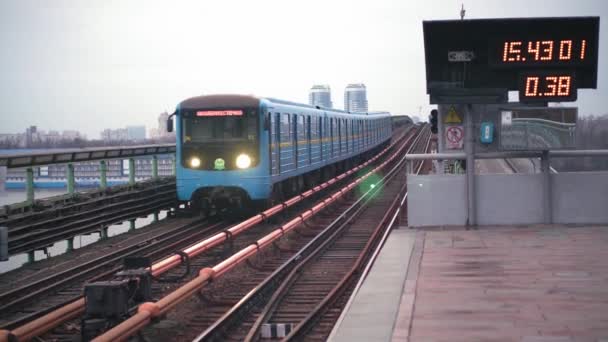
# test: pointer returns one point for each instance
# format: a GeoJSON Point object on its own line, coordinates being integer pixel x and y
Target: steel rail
{"type": "Point", "coordinates": [30, 290]}
{"type": "Point", "coordinates": [376, 253]}
{"type": "Point", "coordinates": [155, 253]}
{"type": "Point", "coordinates": [32, 241]}
{"type": "Point", "coordinates": [340, 287]}
{"type": "Point", "coordinates": [148, 311]}
{"type": "Point", "coordinates": [76, 308]}
{"type": "Point", "coordinates": [255, 295]}
{"type": "Point", "coordinates": [99, 204]}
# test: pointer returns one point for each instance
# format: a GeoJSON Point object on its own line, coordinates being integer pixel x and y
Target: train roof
{"type": "Point", "coordinates": [223, 100]}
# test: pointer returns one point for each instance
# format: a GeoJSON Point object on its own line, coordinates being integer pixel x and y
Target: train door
{"type": "Point", "coordinates": [294, 140]}
{"type": "Point", "coordinates": [275, 143]}
{"type": "Point", "coordinates": [301, 137]}
{"type": "Point", "coordinates": [345, 134]}
{"type": "Point", "coordinates": [286, 157]}
{"type": "Point", "coordinates": [309, 139]}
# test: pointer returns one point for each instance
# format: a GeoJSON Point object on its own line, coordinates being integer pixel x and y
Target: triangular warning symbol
{"type": "Point", "coordinates": [452, 117]}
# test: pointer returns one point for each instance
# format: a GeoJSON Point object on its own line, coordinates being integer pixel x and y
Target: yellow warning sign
{"type": "Point", "coordinates": [452, 117]}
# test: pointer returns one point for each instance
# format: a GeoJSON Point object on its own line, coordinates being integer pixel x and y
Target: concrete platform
{"type": "Point", "coordinates": [540, 283]}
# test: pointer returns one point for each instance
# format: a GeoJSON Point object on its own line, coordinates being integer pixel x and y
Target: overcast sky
{"type": "Point", "coordinates": [90, 65]}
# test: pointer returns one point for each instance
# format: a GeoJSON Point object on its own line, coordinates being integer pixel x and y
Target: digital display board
{"type": "Point", "coordinates": [546, 86]}
{"type": "Point", "coordinates": [545, 59]}
{"type": "Point", "coordinates": [564, 52]}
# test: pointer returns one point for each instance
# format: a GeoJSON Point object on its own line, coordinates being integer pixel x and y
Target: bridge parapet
{"type": "Point", "coordinates": [69, 157]}
{"type": "Point", "coordinates": [567, 198]}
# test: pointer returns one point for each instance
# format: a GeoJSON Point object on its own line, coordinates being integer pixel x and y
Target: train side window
{"type": "Point", "coordinates": [285, 128]}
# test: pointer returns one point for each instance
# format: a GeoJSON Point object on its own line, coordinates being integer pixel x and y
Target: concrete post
{"type": "Point", "coordinates": [3, 243]}
{"type": "Point", "coordinates": [70, 245]}
{"type": "Point", "coordinates": [29, 185]}
{"type": "Point", "coordinates": [131, 225]}
{"type": "Point", "coordinates": [31, 256]}
{"type": "Point", "coordinates": [155, 216]}
{"type": "Point", "coordinates": [103, 177]}
{"type": "Point", "coordinates": [3, 172]}
{"type": "Point", "coordinates": [103, 234]}
{"type": "Point", "coordinates": [546, 170]}
{"type": "Point", "coordinates": [469, 134]}
{"type": "Point", "coordinates": [131, 171]}
{"type": "Point", "coordinates": [70, 178]}
{"type": "Point", "coordinates": [155, 167]}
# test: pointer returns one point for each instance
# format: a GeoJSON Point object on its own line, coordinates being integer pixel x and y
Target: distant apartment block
{"type": "Point", "coordinates": [355, 98]}
{"type": "Point", "coordinates": [320, 95]}
{"type": "Point", "coordinates": [110, 135]}
{"type": "Point", "coordinates": [34, 137]}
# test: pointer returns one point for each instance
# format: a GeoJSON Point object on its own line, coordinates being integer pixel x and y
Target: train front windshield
{"type": "Point", "coordinates": [200, 127]}
{"type": "Point", "coordinates": [219, 139]}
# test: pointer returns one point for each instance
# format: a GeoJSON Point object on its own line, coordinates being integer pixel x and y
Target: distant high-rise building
{"type": "Point", "coordinates": [136, 132]}
{"type": "Point", "coordinates": [162, 123]}
{"type": "Point", "coordinates": [320, 95]}
{"type": "Point", "coordinates": [355, 98]}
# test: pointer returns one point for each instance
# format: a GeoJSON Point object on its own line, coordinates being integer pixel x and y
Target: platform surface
{"type": "Point", "coordinates": [530, 284]}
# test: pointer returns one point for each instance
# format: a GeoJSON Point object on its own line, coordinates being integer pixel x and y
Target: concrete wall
{"type": "Point", "coordinates": [435, 200]}
{"type": "Point", "coordinates": [2, 177]}
{"type": "Point", "coordinates": [580, 197]}
{"type": "Point", "coordinates": [509, 198]}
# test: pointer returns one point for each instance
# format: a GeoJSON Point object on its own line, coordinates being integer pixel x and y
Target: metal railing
{"type": "Point", "coordinates": [505, 155]}
{"type": "Point", "coordinates": [85, 154]}
{"type": "Point", "coordinates": [71, 156]}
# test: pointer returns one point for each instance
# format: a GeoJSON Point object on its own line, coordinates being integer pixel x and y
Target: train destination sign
{"type": "Point", "coordinates": [545, 59]}
{"type": "Point", "coordinates": [233, 112]}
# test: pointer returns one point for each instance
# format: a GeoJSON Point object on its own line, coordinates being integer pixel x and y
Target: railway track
{"type": "Point", "coordinates": [41, 229]}
{"type": "Point", "coordinates": [67, 330]}
{"type": "Point", "coordinates": [306, 294]}
{"type": "Point", "coordinates": [223, 293]}
{"type": "Point", "coordinates": [41, 295]}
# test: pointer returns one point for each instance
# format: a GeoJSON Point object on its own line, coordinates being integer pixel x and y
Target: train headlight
{"type": "Point", "coordinates": [195, 162]}
{"type": "Point", "coordinates": [243, 161]}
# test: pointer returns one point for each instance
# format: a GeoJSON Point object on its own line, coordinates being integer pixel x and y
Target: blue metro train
{"type": "Point", "coordinates": [235, 151]}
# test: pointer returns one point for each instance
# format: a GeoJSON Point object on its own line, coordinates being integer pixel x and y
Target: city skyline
{"type": "Point", "coordinates": [70, 65]}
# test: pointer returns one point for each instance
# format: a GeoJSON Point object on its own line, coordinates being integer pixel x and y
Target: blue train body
{"type": "Point", "coordinates": [279, 139]}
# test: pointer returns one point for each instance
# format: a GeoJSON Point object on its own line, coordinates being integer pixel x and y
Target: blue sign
{"type": "Point", "coordinates": [487, 132]}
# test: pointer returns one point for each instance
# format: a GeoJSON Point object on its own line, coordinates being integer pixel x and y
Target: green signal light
{"type": "Point", "coordinates": [372, 185]}
{"type": "Point", "coordinates": [219, 164]}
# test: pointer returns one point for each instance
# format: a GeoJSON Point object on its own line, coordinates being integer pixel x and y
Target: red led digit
{"type": "Point", "coordinates": [514, 48]}
{"type": "Point", "coordinates": [583, 46]}
{"type": "Point", "coordinates": [531, 82]}
{"type": "Point", "coordinates": [535, 50]}
{"type": "Point", "coordinates": [565, 50]}
{"type": "Point", "coordinates": [505, 51]}
{"type": "Point", "coordinates": [552, 85]}
{"type": "Point", "coordinates": [563, 86]}
{"type": "Point", "coordinates": [548, 49]}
